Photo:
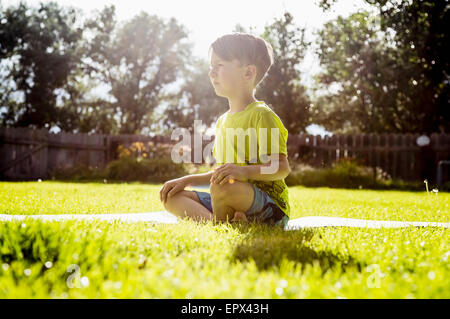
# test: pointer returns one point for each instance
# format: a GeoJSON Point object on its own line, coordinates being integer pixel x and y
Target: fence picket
{"type": "Point", "coordinates": [319, 151]}
{"type": "Point", "coordinates": [350, 145]}
{"type": "Point", "coordinates": [373, 141]}
{"type": "Point", "coordinates": [392, 154]}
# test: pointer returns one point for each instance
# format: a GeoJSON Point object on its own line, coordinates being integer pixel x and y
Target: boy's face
{"type": "Point", "coordinates": [228, 77]}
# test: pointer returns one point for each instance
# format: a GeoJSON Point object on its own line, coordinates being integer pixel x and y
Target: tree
{"type": "Point", "coordinates": [137, 61]}
{"type": "Point", "coordinates": [419, 85]}
{"type": "Point", "coordinates": [358, 63]}
{"type": "Point", "coordinates": [422, 39]}
{"type": "Point", "coordinates": [94, 112]}
{"type": "Point", "coordinates": [282, 89]}
{"type": "Point", "coordinates": [38, 51]}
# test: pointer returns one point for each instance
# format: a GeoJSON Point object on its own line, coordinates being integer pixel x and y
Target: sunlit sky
{"type": "Point", "coordinates": [206, 20]}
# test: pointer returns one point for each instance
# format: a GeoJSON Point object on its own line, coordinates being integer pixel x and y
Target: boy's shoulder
{"type": "Point", "coordinates": [260, 109]}
{"type": "Point", "coordinates": [263, 110]}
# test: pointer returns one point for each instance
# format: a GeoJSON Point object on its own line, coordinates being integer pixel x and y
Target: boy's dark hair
{"type": "Point", "coordinates": [246, 48]}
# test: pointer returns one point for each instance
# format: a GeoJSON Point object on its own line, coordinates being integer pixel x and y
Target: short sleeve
{"type": "Point", "coordinates": [275, 135]}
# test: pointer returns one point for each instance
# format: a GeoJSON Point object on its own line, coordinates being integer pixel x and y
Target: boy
{"type": "Point", "coordinates": [244, 186]}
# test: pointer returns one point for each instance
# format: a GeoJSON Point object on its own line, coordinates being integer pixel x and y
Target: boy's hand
{"type": "Point", "coordinates": [229, 173]}
{"type": "Point", "coordinates": [172, 187]}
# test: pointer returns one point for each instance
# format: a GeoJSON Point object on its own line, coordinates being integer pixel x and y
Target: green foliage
{"type": "Point", "coordinates": [445, 187]}
{"type": "Point", "coordinates": [125, 169]}
{"type": "Point", "coordinates": [39, 51]}
{"type": "Point", "coordinates": [145, 162]}
{"type": "Point", "coordinates": [137, 60]}
{"type": "Point", "coordinates": [346, 173]}
{"type": "Point", "coordinates": [358, 60]}
{"type": "Point", "coordinates": [422, 37]}
{"type": "Point", "coordinates": [50, 68]}
{"type": "Point", "coordinates": [189, 259]}
{"type": "Point", "coordinates": [145, 170]}
{"type": "Point", "coordinates": [148, 162]}
{"type": "Point", "coordinates": [388, 71]}
{"type": "Point", "coordinates": [78, 172]}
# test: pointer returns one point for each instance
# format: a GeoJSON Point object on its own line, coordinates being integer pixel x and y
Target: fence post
{"type": "Point", "coordinates": [350, 146]}
{"type": "Point", "coordinates": [293, 146]}
{"type": "Point", "coordinates": [390, 150]}
{"type": "Point", "coordinates": [373, 155]}
{"type": "Point", "coordinates": [326, 151]}
{"type": "Point", "coordinates": [410, 158]}
{"type": "Point", "coordinates": [333, 147]}
{"type": "Point", "coordinates": [439, 173]}
{"type": "Point", "coordinates": [366, 152]}
{"type": "Point", "coordinates": [382, 152]}
{"type": "Point", "coordinates": [319, 151]}
{"type": "Point", "coordinates": [434, 144]}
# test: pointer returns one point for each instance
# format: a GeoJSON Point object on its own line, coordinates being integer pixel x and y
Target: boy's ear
{"type": "Point", "coordinates": [251, 71]}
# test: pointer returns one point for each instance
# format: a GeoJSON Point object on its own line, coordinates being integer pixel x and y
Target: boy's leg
{"type": "Point", "coordinates": [229, 198]}
{"type": "Point", "coordinates": [187, 204]}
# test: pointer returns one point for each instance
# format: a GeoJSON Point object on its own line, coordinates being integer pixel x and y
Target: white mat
{"type": "Point", "coordinates": [167, 218]}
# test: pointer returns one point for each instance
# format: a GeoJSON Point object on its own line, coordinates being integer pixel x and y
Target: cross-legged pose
{"type": "Point", "coordinates": [247, 183]}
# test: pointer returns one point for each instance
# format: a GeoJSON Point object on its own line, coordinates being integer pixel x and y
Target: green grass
{"type": "Point", "coordinates": [203, 260]}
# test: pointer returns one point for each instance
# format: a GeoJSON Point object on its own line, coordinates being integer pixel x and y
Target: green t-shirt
{"type": "Point", "coordinates": [250, 135]}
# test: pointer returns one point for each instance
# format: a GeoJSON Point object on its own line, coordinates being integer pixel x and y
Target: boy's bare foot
{"type": "Point", "coordinates": [239, 217]}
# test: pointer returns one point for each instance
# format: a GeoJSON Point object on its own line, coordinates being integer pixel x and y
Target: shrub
{"type": "Point", "coordinates": [346, 173]}
{"type": "Point", "coordinates": [149, 150]}
{"type": "Point", "coordinates": [138, 162]}
{"type": "Point", "coordinates": [145, 170]}
{"type": "Point", "coordinates": [144, 162]}
{"type": "Point", "coordinates": [446, 187]}
{"type": "Point", "coordinates": [78, 172]}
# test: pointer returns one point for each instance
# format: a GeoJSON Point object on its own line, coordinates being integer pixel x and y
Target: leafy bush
{"type": "Point", "coordinates": [144, 170]}
{"type": "Point", "coordinates": [346, 173]}
{"type": "Point", "coordinates": [149, 150]}
{"type": "Point", "coordinates": [446, 187]}
{"type": "Point", "coordinates": [78, 172]}
{"type": "Point", "coordinates": [138, 162]}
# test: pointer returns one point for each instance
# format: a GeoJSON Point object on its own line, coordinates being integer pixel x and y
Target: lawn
{"type": "Point", "coordinates": [86, 259]}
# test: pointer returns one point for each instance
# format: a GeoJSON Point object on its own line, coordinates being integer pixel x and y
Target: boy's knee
{"type": "Point", "coordinates": [166, 204]}
{"type": "Point", "coordinates": [169, 201]}
{"type": "Point", "coordinates": [219, 192]}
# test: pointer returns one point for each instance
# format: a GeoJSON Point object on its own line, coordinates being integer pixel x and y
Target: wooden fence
{"type": "Point", "coordinates": [398, 155]}
{"type": "Point", "coordinates": [32, 154]}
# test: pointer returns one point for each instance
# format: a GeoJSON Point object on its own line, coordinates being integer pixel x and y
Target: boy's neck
{"type": "Point", "coordinates": [239, 104]}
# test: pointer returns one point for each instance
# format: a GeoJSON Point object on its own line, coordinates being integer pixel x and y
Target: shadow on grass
{"type": "Point", "coordinates": [268, 247]}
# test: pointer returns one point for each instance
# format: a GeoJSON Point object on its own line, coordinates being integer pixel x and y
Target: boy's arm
{"type": "Point", "coordinates": [198, 179]}
{"type": "Point", "coordinates": [277, 168]}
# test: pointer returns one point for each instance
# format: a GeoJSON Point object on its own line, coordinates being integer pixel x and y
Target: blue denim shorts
{"type": "Point", "coordinates": [263, 209]}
